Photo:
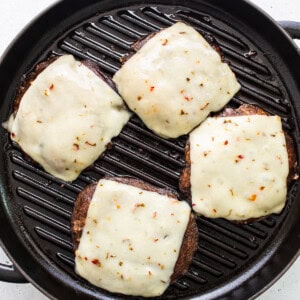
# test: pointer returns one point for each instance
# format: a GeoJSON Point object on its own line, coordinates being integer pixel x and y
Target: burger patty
{"type": "Point", "coordinates": [243, 110]}
{"type": "Point", "coordinates": [190, 240]}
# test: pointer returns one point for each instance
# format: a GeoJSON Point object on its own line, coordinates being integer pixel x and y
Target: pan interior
{"type": "Point", "coordinates": [43, 204]}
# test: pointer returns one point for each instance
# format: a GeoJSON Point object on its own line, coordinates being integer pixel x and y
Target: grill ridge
{"type": "Point", "coordinates": [237, 236]}
{"type": "Point", "coordinates": [223, 260]}
{"type": "Point", "coordinates": [42, 202]}
{"type": "Point", "coordinates": [46, 189]}
{"type": "Point", "coordinates": [43, 218]}
{"type": "Point", "coordinates": [66, 259]}
{"type": "Point", "coordinates": [53, 238]}
{"type": "Point", "coordinates": [17, 159]}
{"type": "Point", "coordinates": [221, 244]}
{"type": "Point", "coordinates": [202, 265]}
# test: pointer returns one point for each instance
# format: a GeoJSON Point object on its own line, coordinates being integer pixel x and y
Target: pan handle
{"type": "Point", "coordinates": [292, 28]}
{"type": "Point", "coordinates": [9, 273]}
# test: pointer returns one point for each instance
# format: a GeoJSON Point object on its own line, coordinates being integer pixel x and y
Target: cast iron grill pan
{"type": "Point", "coordinates": [43, 204]}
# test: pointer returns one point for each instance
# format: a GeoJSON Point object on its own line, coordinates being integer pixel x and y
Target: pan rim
{"type": "Point", "coordinates": [4, 185]}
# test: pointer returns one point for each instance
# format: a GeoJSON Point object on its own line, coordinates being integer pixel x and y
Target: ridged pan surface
{"type": "Point", "coordinates": [227, 252]}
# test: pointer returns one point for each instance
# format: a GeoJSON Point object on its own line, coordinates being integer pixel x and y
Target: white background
{"type": "Point", "coordinates": [14, 14]}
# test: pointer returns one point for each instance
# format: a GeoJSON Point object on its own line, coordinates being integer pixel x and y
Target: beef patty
{"type": "Point", "coordinates": [190, 240]}
{"type": "Point", "coordinates": [245, 109]}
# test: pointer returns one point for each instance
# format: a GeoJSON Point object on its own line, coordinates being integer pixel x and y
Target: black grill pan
{"type": "Point", "coordinates": [232, 261]}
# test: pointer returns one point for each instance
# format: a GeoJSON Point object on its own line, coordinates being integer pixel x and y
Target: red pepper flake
{"type": "Point", "coordinates": [194, 204]}
{"type": "Point", "coordinates": [139, 98]}
{"type": "Point", "coordinates": [96, 262]}
{"type": "Point", "coordinates": [85, 258]}
{"type": "Point", "coordinates": [76, 147]}
{"type": "Point", "coordinates": [240, 156]}
{"type": "Point", "coordinates": [154, 215]}
{"type": "Point", "coordinates": [205, 153]}
{"type": "Point", "coordinates": [209, 185]}
{"type": "Point", "coordinates": [262, 188]}
{"type": "Point", "coordinates": [204, 106]}
{"type": "Point", "coordinates": [13, 135]}
{"type": "Point", "coordinates": [181, 91]}
{"type": "Point", "coordinates": [187, 98]}
{"type": "Point", "coordinates": [149, 272]}
{"type": "Point", "coordinates": [225, 142]}
{"type": "Point", "coordinates": [155, 240]}
{"type": "Point", "coordinates": [90, 144]}
{"type": "Point", "coordinates": [165, 42]}
{"type": "Point", "coordinates": [182, 112]}
{"type": "Point", "coordinates": [51, 86]}
{"type": "Point", "coordinates": [152, 88]}
{"type": "Point", "coordinates": [131, 248]}
{"type": "Point", "coordinates": [39, 121]}
{"type": "Point", "coordinates": [214, 210]}
{"type": "Point", "coordinates": [252, 197]}
{"type": "Point", "coordinates": [201, 84]}
{"type": "Point", "coordinates": [187, 79]}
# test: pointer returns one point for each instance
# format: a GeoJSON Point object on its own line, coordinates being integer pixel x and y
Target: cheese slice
{"type": "Point", "coordinates": [131, 239]}
{"type": "Point", "coordinates": [67, 117]}
{"type": "Point", "coordinates": [175, 80]}
{"type": "Point", "coordinates": [239, 167]}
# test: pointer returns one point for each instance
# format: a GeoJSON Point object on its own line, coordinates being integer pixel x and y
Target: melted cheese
{"type": "Point", "coordinates": [67, 117]}
{"type": "Point", "coordinates": [131, 239]}
{"type": "Point", "coordinates": [175, 80]}
{"type": "Point", "coordinates": [239, 167]}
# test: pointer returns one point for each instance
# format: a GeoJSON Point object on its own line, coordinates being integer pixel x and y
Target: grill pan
{"type": "Point", "coordinates": [232, 261]}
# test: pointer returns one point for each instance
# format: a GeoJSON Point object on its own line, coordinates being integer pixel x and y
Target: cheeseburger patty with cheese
{"type": "Point", "coordinates": [65, 115]}
{"type": "Point", "coordinates": [175, 80]}
{"type": "Point", "coordinates": [238, 165]}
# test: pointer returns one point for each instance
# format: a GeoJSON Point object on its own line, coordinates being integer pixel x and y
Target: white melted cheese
{"type": "Point", "coordinates": [239, 167]}
{"type": "Point", "coordinates": [131, 239]}
{"type": "Point", "coordinates": [67, 117]}
{"type": "Point", "coordinates": [175, 80]}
